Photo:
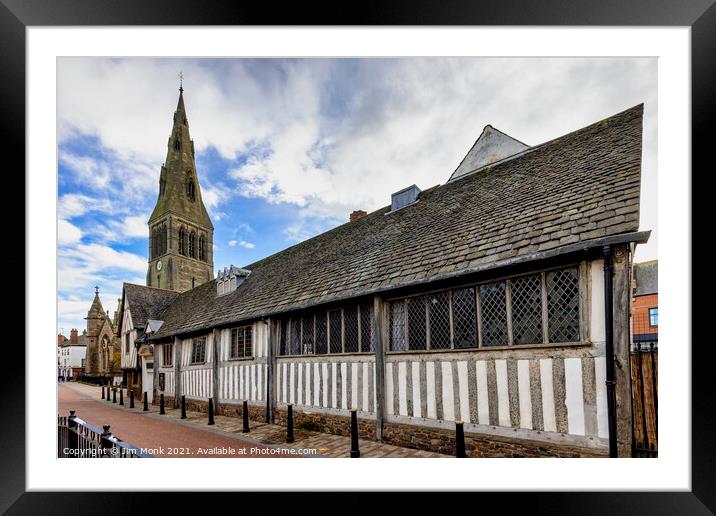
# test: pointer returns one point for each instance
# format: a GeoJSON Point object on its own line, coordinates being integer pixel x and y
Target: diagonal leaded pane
{"type": "Point", "coordinates": [493, 311]}
{"type": "Point", "coordinates": [417, 336]}
{"type": "Point", "coordinates": [527, 310]}
{"type": "Point", "coordinates": [439, 307]}
{"type": "Point", "coordinates": [397, 326]}
{"type": "Point", "coordinates": [563, 305]}
{"type": "Point", "coordinates": [464, 318]}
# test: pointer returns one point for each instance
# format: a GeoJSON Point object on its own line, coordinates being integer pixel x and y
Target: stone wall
{"type": "Point", "coordinates": [327, 423]}
{"type": "Point", "coordinates": [479, 445]}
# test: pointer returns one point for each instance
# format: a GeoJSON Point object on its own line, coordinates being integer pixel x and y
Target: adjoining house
{"type": "Point", "coordinates": [645, 305]}
{"type": "Point", "coordinates": [139, 306]}
{"type": "Point", "coordinates": [71, 355]}
{"type": "Point", "coordinates": [500, 298]}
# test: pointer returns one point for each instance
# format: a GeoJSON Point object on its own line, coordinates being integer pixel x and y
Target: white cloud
{"type": "Point", "coordinates": [246, 245]}
{"type": "Point", "coordinates": [232, 243]}
{"type": "Point", "coordinates": [74, 205]}
{"type": "Point", "coordinates": [90, 172]}
{"type": "Point", "coordinates": [67, 233]}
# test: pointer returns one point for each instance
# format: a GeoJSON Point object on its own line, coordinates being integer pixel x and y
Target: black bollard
{"type": "Point", "coordinates": [245, 417]}
{"type": "Point", "coordinates": [131, 398]}
{"type": "Point", "coordinates": [72, 436]}
{"type": "Point", "coordinates": [289, 425]}
{"type": "Point", "coordinates": [103, 391]}
{"type": "Point", "coordinates": [211, 411]}
{"type": "Point", "coordinates": [355, 452]}
{"type": "Point", "coordinates": [114, 395]}
{"type": "Point", "coordinates": [121, 396]}
{"type": "Point", "coordinates": [161, 403]}
{"type": "Point", "coordinates": [104, 441]}
{"type": "Point", "coordinates": [146, 407]}
{"type": "Point", "coordinates": [183, 406]}
{"type": "Point", "coordinates": [459, 440]}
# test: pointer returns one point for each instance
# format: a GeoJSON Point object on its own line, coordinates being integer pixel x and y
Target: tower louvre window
{"type": "Point", "coordinates": [202, 248]}
{"type": "Point", "coordinates": [182, 241]}
{"type": "Point", "coordinates": [177, 143]}
{"type": "Point", "coordinates": [192, 245]}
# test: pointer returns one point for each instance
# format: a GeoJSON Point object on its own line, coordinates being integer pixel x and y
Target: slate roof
{"type": "Point", "coordinates": [579, 187]}
{"type": "Point", "coordinates": [646, 277]}
{"type": "Point", "coordinates": [147, 303]}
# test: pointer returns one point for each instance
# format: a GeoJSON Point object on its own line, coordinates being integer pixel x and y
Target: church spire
{"type": "Point", "coordinates": [180, 230]}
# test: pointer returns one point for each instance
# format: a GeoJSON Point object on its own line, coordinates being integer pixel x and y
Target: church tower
{"type": "Point", "coordinates": [180, 231]}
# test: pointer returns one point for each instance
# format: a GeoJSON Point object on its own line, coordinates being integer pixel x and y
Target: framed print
{"type": "Point", "coordinates": [406, 236]}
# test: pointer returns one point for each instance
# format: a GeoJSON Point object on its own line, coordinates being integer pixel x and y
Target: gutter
{"type": "Point", "coordinates": [609, 345]}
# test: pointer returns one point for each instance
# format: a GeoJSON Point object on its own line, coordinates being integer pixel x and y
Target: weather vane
{"type": "Point", "coordinates": [96, 289]}
{"type": "Point", "coordinates": [181, 81]}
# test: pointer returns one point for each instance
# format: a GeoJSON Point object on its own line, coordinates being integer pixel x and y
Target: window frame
{"type": "Point", "coordinates": [583, 297]}
{"type": "Point", "coordinates": [243, 328]}
{"type": "Point", "coordinates": [289, 322]}
{"type": "Point", "coordinates": [194, 354]}
{"type": "Point", "coordinates": [168, 346]}
{"type": "Point", "coordinates": [656, 308]}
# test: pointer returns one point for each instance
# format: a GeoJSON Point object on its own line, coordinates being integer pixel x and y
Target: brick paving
{"type": "Point", "coordinates": [139, 428]}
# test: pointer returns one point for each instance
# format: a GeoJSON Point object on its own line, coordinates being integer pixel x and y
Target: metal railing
{"type": "Point", "coordinates": [78, 439]}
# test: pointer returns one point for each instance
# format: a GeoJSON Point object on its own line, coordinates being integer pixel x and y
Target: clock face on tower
{"type": "Point", "coordinates": [159, 265]}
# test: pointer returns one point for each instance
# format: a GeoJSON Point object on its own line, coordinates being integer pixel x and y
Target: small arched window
{"type": "Point", "coordinates": [192, 244]}
{"type": "Point", "coordinates": [202, 248]}
{"type": "Point", "coordinates": [182, 241]}
{"type": "Point", "coordinates": [177, 143]}
{"type": "Point", "coordinates": [190, 189]}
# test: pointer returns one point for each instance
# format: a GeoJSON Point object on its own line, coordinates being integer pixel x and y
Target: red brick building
{"type": "Point", "coordinates": [645, 303]}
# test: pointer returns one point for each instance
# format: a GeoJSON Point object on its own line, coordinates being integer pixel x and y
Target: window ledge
{"type": "Point", "coordinates": [493, 348]}
{"type": "Point", "coordinates": [239, 359]}
{"type": "Point", "coordinates": [319, 355]}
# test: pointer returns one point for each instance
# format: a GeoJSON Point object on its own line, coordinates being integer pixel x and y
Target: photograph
{"type": "Point", "coordinates": [357, 257]}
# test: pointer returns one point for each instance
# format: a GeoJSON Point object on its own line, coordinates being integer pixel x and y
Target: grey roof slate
{"type": "Point", "coordinates": [147, 303]}
{"type": "Point", "coordinates": [573, 189]}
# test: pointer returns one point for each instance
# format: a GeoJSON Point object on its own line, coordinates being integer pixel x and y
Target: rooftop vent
{"type": "Point", "coordinates": [229, 279]}
{"type": "Point", "coordinates": [404, 197]}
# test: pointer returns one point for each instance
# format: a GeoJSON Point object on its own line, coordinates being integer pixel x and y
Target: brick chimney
{"type": "Point", "coordinates": [73, 336]}
{"type": "Point", "coordinates": [358, 214]}
{"type": "Point", "coordinates": [61, 339]}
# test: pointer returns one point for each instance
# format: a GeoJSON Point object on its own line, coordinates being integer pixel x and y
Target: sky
{"type": "Point", "coordinates": [287, 148]}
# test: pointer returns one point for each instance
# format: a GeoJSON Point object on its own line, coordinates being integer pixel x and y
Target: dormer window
{"type": "Point", "coordinates": [229, 279]}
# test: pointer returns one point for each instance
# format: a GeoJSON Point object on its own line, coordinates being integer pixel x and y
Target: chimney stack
{"type": "Point", "coordinates": [73, 336]}
{"type": "Point", "coordinates": [358, 214]}
{"type": "Point", "coordinates": [61, 339]}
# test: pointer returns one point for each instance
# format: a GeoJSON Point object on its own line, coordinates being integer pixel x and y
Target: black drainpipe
{"type": "Point", "coordinates": [609, 334]}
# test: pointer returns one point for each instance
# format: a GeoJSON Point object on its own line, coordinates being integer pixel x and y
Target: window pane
{"type": "Point", "coordinates": [366, 327]}
{"type": "Point", "coordinates": [653, 316]}
{"type": "Point", "coordinates": [527, 310]}
{"type": "Point", "coordinates": [439, 320]}
{"type": "Point", "coordinates": [307, 348]}
{"type": "Point", "coordinates": [493, 310]}
{"type": "Point", "coordinates": [397, 326]}
{"type": "Point", "coordinates": [321, 337]}
{"type": "Point", "coordinates": [350, 320]}
{"type": "Point", "coordinates": [336, 332]}
{"type": "Point", "coordinates": [464, 318]}
{"type": "Point", "coordinates": [284, 337]}
{"type": "Point", "coordinates": [563, 305]}
{"type": "Point", "coordinates": [248, 342]}
{"type": "Point", "coordinates": [417, 338]}
{"type": "Point", "coordinates": [295, 336]}
{"type": "Point", "coordinates": [234, 343]}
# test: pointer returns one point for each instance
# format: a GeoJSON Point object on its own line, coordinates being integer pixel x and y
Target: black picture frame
{"type": "Point", "coordinates": [700, 15]}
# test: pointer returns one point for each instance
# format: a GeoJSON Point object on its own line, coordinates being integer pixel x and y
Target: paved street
{"type": "Point", "coordinates": [169, 436]}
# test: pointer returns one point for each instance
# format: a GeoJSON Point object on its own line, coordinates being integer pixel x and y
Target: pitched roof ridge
{"type": "Point", "coordinates": [637, 108]}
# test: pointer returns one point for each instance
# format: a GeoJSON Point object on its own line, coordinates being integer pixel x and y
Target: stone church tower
{"type": "Point", "coordinates": [102, 340]}
{"type": "Point", "coordinates": [181, 234]}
